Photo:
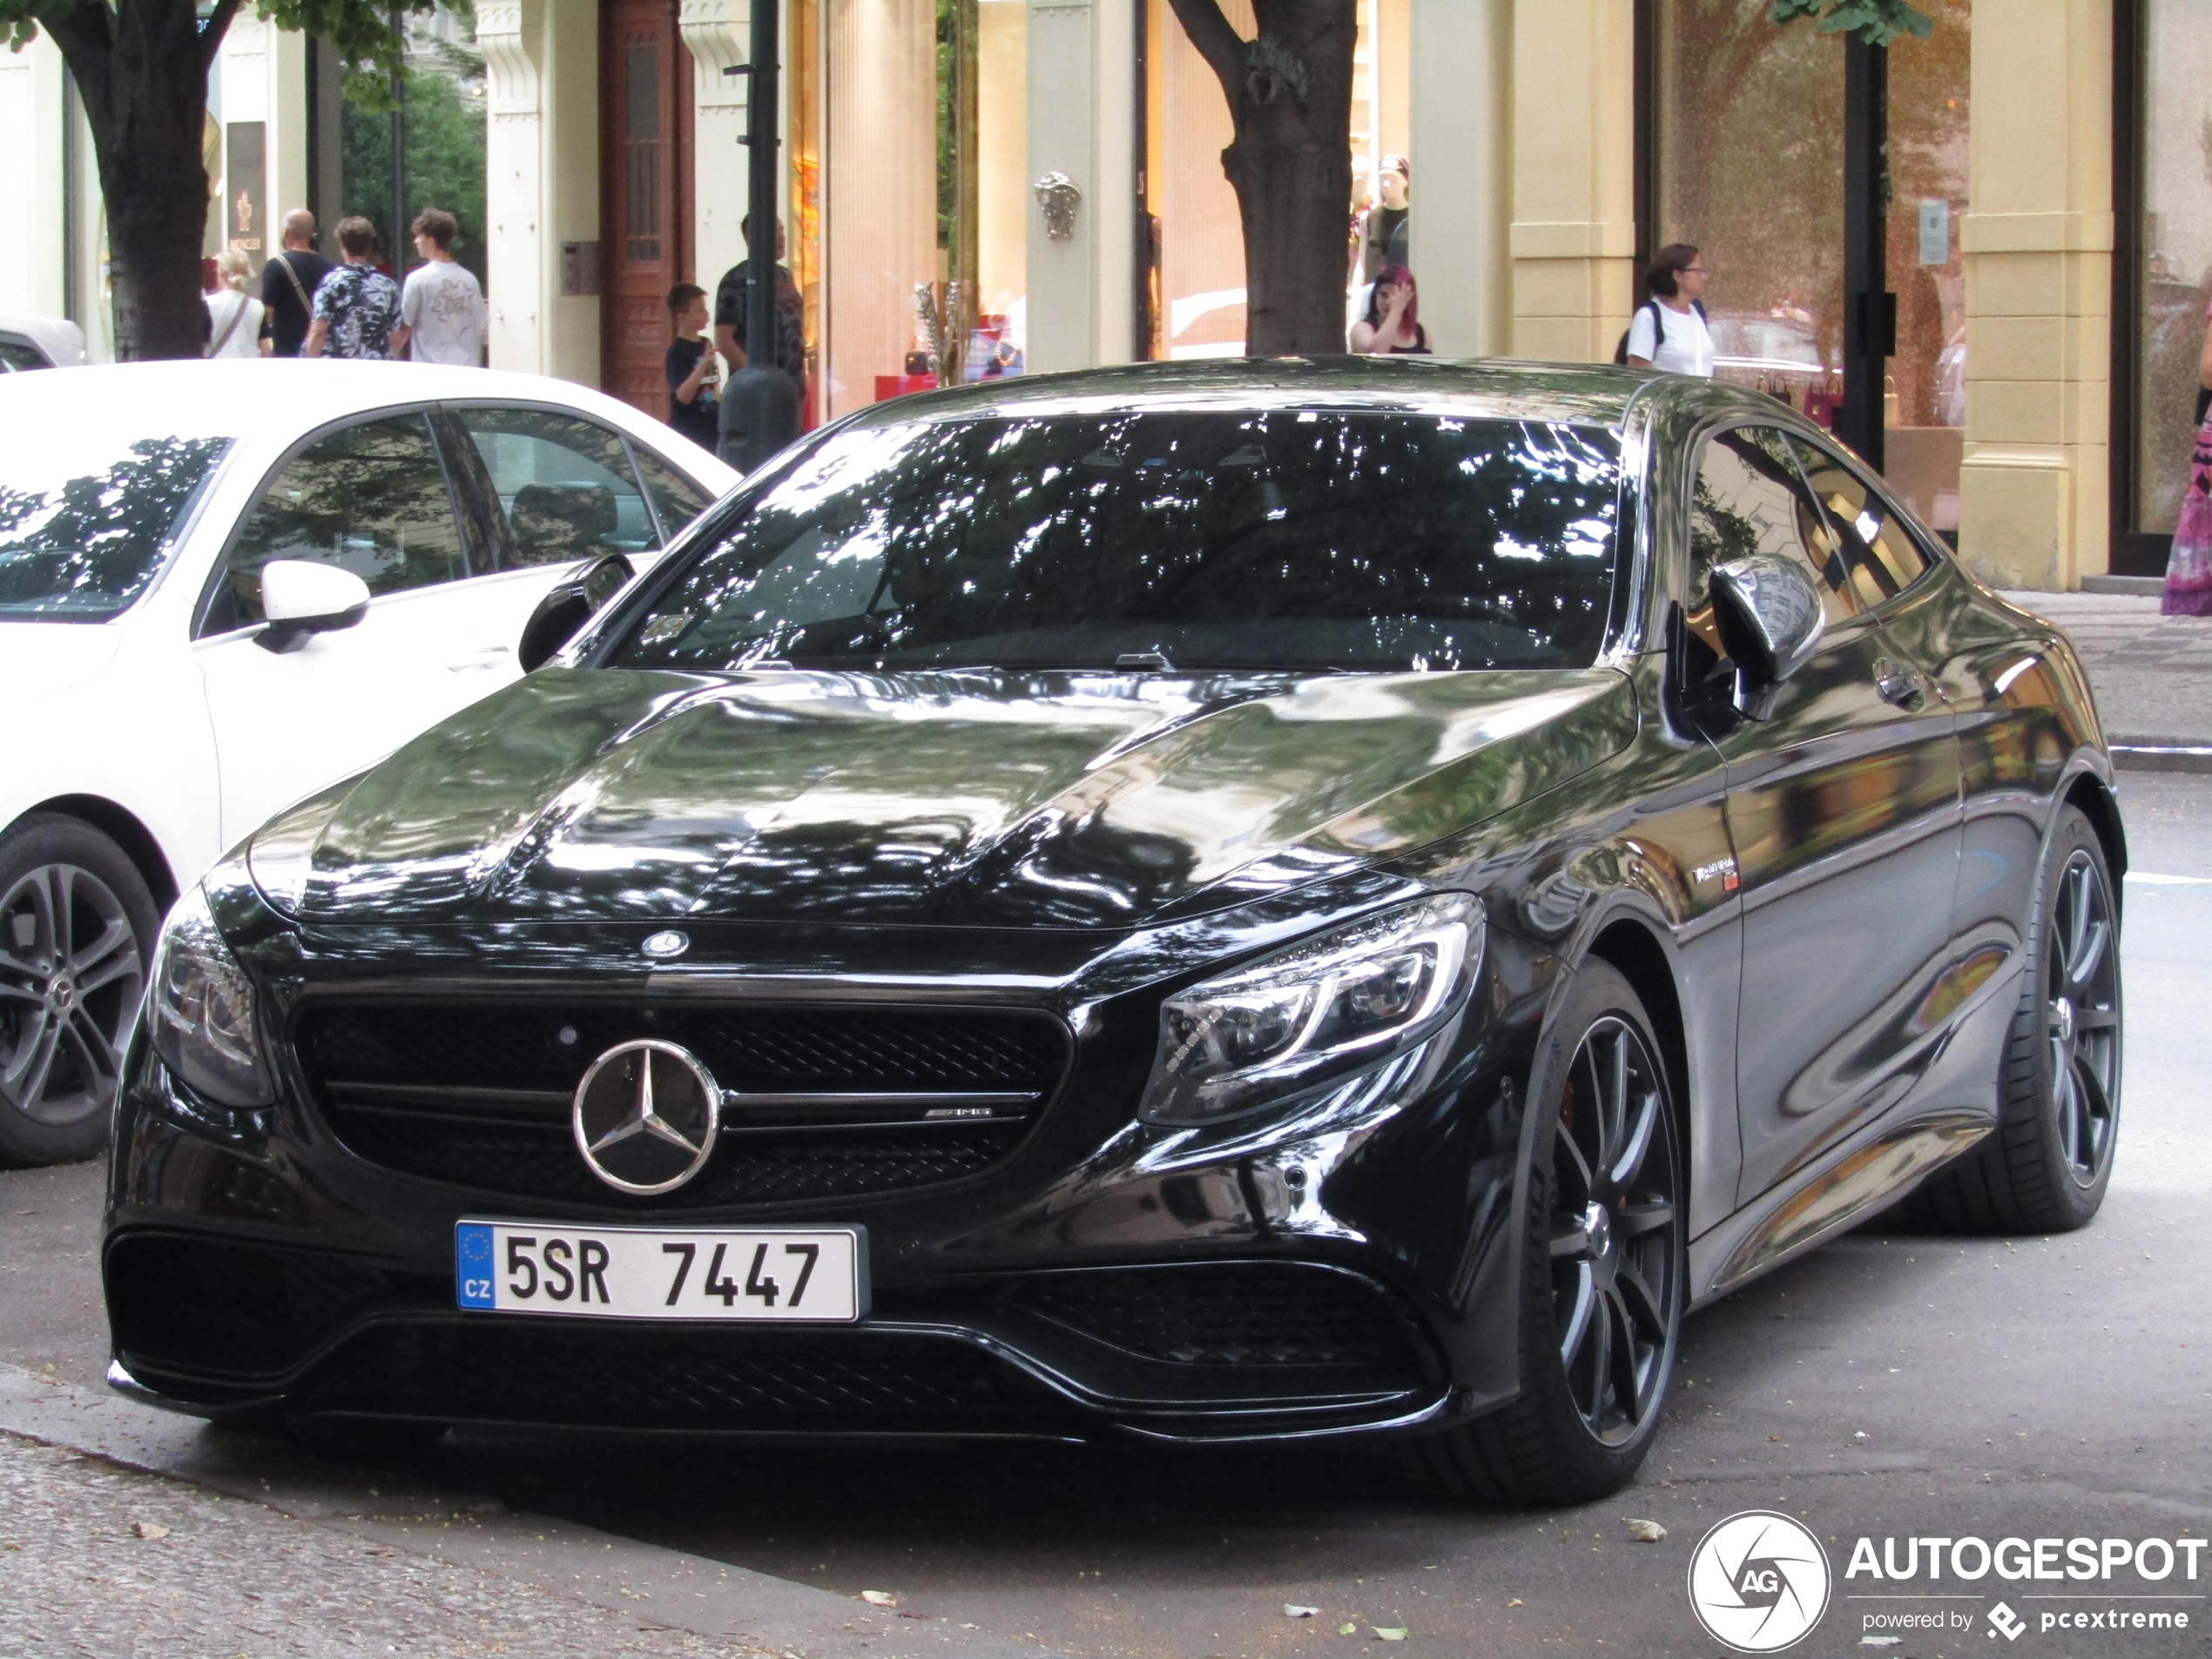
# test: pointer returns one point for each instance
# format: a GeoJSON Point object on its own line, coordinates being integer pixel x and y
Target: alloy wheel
{"type": "Point", "coordinates": [71, 976]}
{"type": "Point", "coordinates": [2081, 1009]}
{"type": "Point", "coordinates": [1615, 1252]}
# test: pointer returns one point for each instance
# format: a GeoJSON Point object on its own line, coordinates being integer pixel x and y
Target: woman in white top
{"type": "Point", "coordinates": [1669, 330]}
{"type": "Point", "coordinates": [233, 315]}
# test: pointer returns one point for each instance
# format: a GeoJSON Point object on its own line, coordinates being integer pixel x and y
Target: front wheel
{"type": "Point", "coordinates": [77, 927]}
{"type": "Point", "coordinates": [1604, 1272]}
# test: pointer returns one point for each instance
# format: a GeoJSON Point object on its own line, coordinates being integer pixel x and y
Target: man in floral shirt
{"type": "Point", "coordinates": [356, 305]}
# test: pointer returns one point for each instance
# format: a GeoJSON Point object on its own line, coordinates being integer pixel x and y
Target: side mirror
{"type": "Point", "coordinates": [1770, 620]}
{"type": "Point", "coordinates": [561, 615]}
{"type": "Point", "coordinates": [301, 598]}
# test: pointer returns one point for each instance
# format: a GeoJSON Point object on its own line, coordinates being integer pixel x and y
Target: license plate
{"type": "Point", "coordinates": [814, 1274]}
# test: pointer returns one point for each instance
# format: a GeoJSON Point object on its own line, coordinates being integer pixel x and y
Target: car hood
{"type": "Point", "coordinates": [38, 658]}
{"type": "Point", "coordinates": [971, 799]}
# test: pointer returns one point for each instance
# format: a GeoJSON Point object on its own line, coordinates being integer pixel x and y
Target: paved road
{"type": "Point", "coordinates": [1891, 1383]}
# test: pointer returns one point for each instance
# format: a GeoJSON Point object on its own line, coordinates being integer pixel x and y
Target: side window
{"type": "Point", "coordinates": [564, 485]}
{"type": "Point", "coordinates": [675, 498]}
{"type": "Point", "coordinates": [1883, 558]}
{"type": "Point", "coordinates": [370, 498]}
{"type": "Point", "coordinates": [1750, 498]}
{"type": "Point", "coordinates": [17, 353]}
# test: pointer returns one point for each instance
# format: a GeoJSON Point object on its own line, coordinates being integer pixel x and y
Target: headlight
{"type": "Point", "coordinates": [200, 1011]}
{"type": "Point", "coordinates": [1331, 1005]}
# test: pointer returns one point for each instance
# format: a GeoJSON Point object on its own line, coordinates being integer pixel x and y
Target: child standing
{"type": "Point", "coordinates": [692, 409]}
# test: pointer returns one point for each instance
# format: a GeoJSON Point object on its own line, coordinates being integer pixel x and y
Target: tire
{"type": "Point", "coordinates": [76, 935]}
{"type": "Point", "coordinates": [1604, 1271]}
{"type": "Point", "coordinates": [2045, 1167]}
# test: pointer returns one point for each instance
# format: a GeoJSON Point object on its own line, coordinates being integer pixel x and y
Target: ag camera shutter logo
{"type": "Point", "coordinates": [1759, 1582]}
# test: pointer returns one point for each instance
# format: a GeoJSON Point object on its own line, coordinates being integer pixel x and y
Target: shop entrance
{"type": "Point", "coordinates": [645, 160]}
{"type": "Point", "coordinates": [1825, 180]}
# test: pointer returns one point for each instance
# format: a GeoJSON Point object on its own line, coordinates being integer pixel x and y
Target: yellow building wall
{"type": "Point", "coordinates": [1574, 234]}
{"type": "Point", "coordinates": [2038, 236]}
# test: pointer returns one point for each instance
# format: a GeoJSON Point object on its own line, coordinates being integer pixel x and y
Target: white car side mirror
{"type": "Point", "coordinates": [301, 598]}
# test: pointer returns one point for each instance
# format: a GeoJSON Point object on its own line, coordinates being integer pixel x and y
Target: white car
{"type": "Point", "coordinates": [39, 342]}
{"type": "Point", "coordinates": [225, 584]}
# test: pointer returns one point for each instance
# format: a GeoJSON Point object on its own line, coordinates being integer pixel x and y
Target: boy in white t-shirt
{"type": "Point", "coordinates": [441, 309]}
{"type": "Point", "coordinates": [1670, 331]}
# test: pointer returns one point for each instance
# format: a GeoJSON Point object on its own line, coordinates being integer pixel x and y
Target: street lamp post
{"type": "Point", "coordinates": [760, 405]}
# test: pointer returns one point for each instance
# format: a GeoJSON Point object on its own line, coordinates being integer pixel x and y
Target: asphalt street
{"type": "Point", "coordinates": [1891, 1383]}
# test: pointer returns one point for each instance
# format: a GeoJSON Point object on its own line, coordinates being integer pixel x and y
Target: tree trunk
{"type": "Point", "coordinates": [141, 69]}
{"type": "Point", "coordinates": [1290, 97]}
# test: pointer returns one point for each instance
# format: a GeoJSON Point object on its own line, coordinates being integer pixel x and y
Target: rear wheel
{"type": "Point", "coordinates": [77, 929]}
{"type": "Point", "coordinates": [2046, 1166]}
{"type": "Point", "coordinates": [1602, 1290]}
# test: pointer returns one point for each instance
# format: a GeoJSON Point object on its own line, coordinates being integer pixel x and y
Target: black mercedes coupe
{"type": "Point", "coordinates": [1228, 901]}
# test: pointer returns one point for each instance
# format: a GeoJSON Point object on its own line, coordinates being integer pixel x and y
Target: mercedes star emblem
{"type": "Point", "coordinates": [663, 945]}
{"type": "Point", "coordinates": [645, 1117]}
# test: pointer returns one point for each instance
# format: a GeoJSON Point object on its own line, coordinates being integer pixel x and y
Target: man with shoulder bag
{"type": "Point", "coordinates": [288, 284]}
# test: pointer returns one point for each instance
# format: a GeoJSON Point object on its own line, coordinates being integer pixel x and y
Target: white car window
{"type": "Point", "coordinates": [564, 484]}
{"type": "Point", "coordinates": [370, 498]}
{"type": "Point", "coordinates": [86, 517]}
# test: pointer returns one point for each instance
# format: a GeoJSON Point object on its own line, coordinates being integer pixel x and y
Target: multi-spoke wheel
{"type": "Point", "coordinates": [1613, 1230]}
{"type": "Point", "coordinates": [2046, 1166]}
{"type": "Point", "coordinates": [1602, 1301]}
{"type": "Point", "coordinates": [76, 925]}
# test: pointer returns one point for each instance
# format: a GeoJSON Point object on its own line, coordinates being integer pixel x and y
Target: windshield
{"type": "Point", "coordinates": [86, 517]}
{"type": "Point", "coordinates": [1278, 539]}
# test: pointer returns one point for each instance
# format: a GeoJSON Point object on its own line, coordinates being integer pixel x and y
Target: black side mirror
{"type": "Point", "coordinates": [1770, 618]}
{"type": "Point", "coordinates": [561, 615]}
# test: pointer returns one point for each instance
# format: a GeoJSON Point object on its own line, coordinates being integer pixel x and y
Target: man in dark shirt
{"type": "Point", "coordinates": [692, 409]}
{"type": "Point", "coordinates": [288, 284]}
{"type": "Point", "coordinates": [730, 302]}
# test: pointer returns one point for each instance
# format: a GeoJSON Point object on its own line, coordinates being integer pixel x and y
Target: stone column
{"type": "Point", "coordinates": [523, 270]}
{"type": "Point", "coordinates": [716, 33]}
{"type": "Point", "coordinates": [1081, 91]}
{"type": "Point", "coordinates": [2038, 236]}
{"type": "Point", "coordinates": [1461, 152]}
{"type": "Point", "coordinates": [1574, 233]}
{"type": "Point", "coordinates": [32, 261]}
{"type": "Point", "coordinates": [570, 134]}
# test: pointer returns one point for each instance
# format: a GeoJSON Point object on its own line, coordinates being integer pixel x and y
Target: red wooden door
{"type": "Point", "coordinates": [645, 150]}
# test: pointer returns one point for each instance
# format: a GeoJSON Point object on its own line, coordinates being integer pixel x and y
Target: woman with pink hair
{"type": "Point", "coordinates": [1392, 325]}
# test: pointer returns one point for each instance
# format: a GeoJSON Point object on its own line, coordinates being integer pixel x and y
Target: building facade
{"type": "Point", "coordinates": [1985, 258]}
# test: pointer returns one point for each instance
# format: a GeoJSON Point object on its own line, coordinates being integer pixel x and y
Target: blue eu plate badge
{"type": "Point", "coordinates": [472, 1265]}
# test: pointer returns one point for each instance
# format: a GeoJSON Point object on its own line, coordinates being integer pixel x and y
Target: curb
{"type": "Point", "coordinates": [2159, 754]}
{"type": "Point", "coordinates": [534, 1553]}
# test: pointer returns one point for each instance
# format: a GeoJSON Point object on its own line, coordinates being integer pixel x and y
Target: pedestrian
{"type": "Point", "coordinates": [357, 306]}
{"type": "Point", "coordinates": [288, 284]}
{"type": "Point", "coordinates": [691, 408]}
{"type": "Point", "coordinates": [233, 315]}
{"type": "Point", "coordinates": [729, 301]}
{"type": "Point", "coordinates": [2189, 565]}
{"type": "Point", "coordinates": [441, 308]}
{"type": "Point", "coordinates": [1392, 325]}
{"type": "Point", "coordinates": [1385, 237]}
{"type": "Point", "coordinates": [1669, 332]}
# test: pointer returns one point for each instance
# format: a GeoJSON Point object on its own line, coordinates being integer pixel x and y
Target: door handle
{"type": "Point", "coordinates": [1899, 686]}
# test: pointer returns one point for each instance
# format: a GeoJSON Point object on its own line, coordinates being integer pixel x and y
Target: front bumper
{"type": "Point", "coordinates": [1351, 1270]}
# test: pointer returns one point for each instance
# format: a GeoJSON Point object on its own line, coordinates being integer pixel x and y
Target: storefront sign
{"type": "Point", "coordinates": [245, 187]}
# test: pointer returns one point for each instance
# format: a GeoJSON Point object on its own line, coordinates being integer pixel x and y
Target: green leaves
{"type": "Point", "coordinates": [1876, 22]}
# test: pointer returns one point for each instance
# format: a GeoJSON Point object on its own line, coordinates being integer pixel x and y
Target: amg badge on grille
{"type": "Point", "coordinates": [645, 1117]}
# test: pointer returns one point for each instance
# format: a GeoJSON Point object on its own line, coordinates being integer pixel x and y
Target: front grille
{"type": "Point", "coordinates": [1232, 1313]}
{"type": "Point", "coordinates": [824, 1101]}
{"type": "Point", "coordinates": [641, 1377]}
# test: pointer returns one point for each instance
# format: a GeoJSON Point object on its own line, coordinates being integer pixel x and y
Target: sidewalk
{"type": "Point", "coordinates": [2152, 674]}
{"type": "Point", "coordinates": [125, 1531]}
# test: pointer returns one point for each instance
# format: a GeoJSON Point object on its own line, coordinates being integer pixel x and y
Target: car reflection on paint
{"type": "Point", "coordinates": [1228, 901]}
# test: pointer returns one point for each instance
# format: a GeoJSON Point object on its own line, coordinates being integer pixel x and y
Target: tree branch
{"type": "Point", "coordinates": [79, 27]}
{"type": "Point", "coordinates": [1217, 43]}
